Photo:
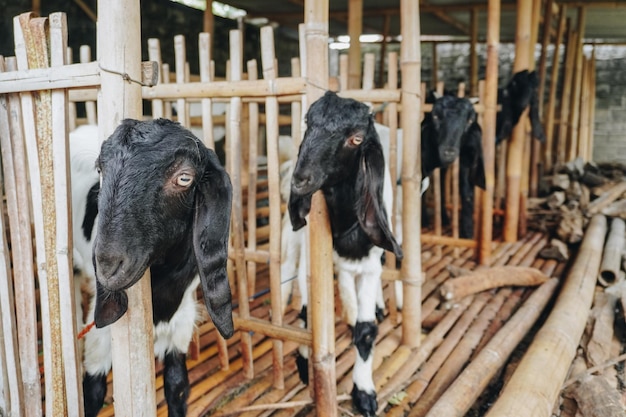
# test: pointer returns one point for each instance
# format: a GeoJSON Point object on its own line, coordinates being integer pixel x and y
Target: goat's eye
{"type": "Point", "coordinates": [184, 180]}
{"type": "Point", "coordinates": [356, 140]}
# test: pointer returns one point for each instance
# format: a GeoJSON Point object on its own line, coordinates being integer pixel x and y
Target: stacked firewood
{"type": "Point", "coordinates": [571, 196]}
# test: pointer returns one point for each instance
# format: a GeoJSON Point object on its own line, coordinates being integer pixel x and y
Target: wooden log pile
{"type": "Point", "coordinates": [570, 196]}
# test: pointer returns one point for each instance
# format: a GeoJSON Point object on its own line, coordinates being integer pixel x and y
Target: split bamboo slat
{"type": "Point", "coordinates": [206, 76]}
{"type": "Point", "coordinates": [120, 51]}
{"type": "Point", "coordinates": [554, 346]}
{"type": "Point", "coordinates": [583, 120]}
{"type": "Point", "coordinates": [576, 86]}
{"type": "Point", "coordinates": [411, 269]}
{"type": "Point", "coordinates": [154, 54]}
{"type": "Point", "coordinates": [518, 137]}
{"type": "Point", "coordinates": [252, 181]}
{"type": "Point", "coordinates": [90, 106]}
{"type": "Point", "coordinates": [13, 180]}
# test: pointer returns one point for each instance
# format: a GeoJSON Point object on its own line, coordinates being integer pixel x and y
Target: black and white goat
{"type": "Point", "coordinates": [152, 196]}
{"type": "Point", "coordinates": [519, 93]}
{"type": "Point", "coordinates": [450, 131]}
{"type": "Point", "coordinates": [341, 155]}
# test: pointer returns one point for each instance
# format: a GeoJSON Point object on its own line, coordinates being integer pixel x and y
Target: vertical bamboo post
{"type": "Point", "coordinates": [322, 288]}
{"type": "Point", "coordinates": [204, 51]}
{"type": "Point", "coordinates": [592, 103]}
{"type": "Point", "coordinates": [180, 56]}
{"type": "Point", "coordinates": [531, 173]}
{"type": "Point", "coordinates": [411, 269]}
{"type": "Point", "coordinates": [343, 72]}
{"type": "Point", "coordinates": [154, 54]}
{"type": "Point", "coordinates": [71, 107]}
{"type": "Point", "coordinates": [454, 175]}
{"type": "Point", "coordinates": [577, 86]}
{"type": "Point", "coordinates": [355, 28]}
{"type": "Point", "coordinates": [383, 50]}
{"type": "Point", "coordinates": [253, 152]}
{"type": "Point", "coordinates": [473, 78]}
{"type": "Point", "coordinates": [208, 20]}
{"type": "Point", "coordinates": [437, 191]}
{"type": "Point", "coordinates": [13, 388]}
{"type": "Point", "coordinates": [546, 35]}
{"type": "Point", "coordinates": [235, 148]}
{"type": "Point", "coordinates": [119, 49]}
{"type": "Point", "coordinates": [583, 121]}
{"type": "Point", "coordinates": [435, 69]}
{"type": "Point", "coordinates": [271, 125]}
{"type": "Point", "coordinates": [489, 130]}
{"type": "Point", "coordinates": [570, 56]}
{"type": "Point", "coordinates": [392, 113]}
{"type": "Point", "coordinates": [516, 142]}
{"type": "Point", "coordinates": [554, 79]}
{"type": "Point", "coordinates": [90, 106]}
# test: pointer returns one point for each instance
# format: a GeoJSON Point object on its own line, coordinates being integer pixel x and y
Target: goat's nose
{"type": "Point", "coordinates": [448, 154]}
{"type": "Point", "coordinates": [111, 267]}
{"type": "Point", "coordinates": [299, 182]}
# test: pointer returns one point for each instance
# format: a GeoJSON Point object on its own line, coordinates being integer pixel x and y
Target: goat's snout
{"type": "Point", "coordinates": [301, 184]}
{"type": "Point", "coordinates": [448, 155]}
{"type": "Point", "coordinates": [116, 271]}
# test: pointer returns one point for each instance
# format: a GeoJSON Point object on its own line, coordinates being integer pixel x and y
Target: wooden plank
{"type": "Point", "coordinates": [70, 76]}
{"type": "Point", "coordinates": [119, 50]}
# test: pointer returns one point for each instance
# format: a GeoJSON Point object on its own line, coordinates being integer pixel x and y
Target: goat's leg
{"type": "Point", "coordinates": [94, 391]}
{"type": "Point", "coordinates": [364, 335]}
{"type": "Point", "coordinates": [467, 204]}
{"type": "Point", "coordinates": [175, 384]}
{"type": "Point", "coordinates": [302, 355]}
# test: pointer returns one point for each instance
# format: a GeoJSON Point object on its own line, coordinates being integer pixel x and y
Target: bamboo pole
{"type": "Point", "coordinates": [270, 72]}
{"type": "Point", "coordinates": [119, 49]}
{"type": "Point", "coordinates": [12, 384]}
{"type": "Point", "coordinates": [518, 137]}
{"type": "Point", "coordinates": [180, 56]}
{"type": "Point", "coordinates": [554, 346]}
{"type": "Point", "coordinates": [543, 59]}
{"type": "Point", "coordinates": [592, 104]}
{"type": "Point", "coordinates": [489, 131]}
{"type": "Point", "coordinates": [554, 79]}
{"type": "Point", "coordinates": [204, 51]}
{"type": "Point", "coordinates": [322, 289]}
{"type": "Point", "coordinates": [411, 172]}
{"type": "Point", "coordinates": [611, 258]}
{"type": "Point", "coordinates": [532, 159]}
{"type": "Point", "coordinates": [154, 54]}
{"type": "Point", "coordinates": [494, 277]}
{"type": "Point", "coordinates": [90, 106]}
{"type": "Point", "coordinates": [473, 78]}
{"type": "Point", "coordinates": [570, 56]}
{"type": "Point", "coordinates": [235, 167]}
{"type": "Point", "coordinates": [576, 86]}
{"type": "Point", "coordinates": [355, 28]}
{"type": "Point", "coordinates": [208, 20]}
{"type": "Point", "coordinates": [583, 121]}
{"type": "Point", "coordinates": [252, 181]}
{"type": "Point", "coordinates": [462, 393]}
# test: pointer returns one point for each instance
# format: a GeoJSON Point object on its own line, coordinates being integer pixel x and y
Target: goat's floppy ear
{"type": "Point", "coordinates": [110, 306]}
{"type": "Point", "coordinates": [472, 155]}
{"type": "Point", "coordinates": [369, 187]}
{"type": "Point", "coordinates": [210, 242]}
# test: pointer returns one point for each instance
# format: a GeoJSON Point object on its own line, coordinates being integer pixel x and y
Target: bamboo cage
{"type": "Point", "coordinates": [252, 100]}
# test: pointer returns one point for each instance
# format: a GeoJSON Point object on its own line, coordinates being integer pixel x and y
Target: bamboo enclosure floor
{"type": "Point", "coordinates": [217, 392]}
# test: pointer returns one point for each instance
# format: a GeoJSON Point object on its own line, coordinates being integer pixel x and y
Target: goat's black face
{"type": "Point", "coordinates": [335, 135]}
{"type": "Point", "coordinates": [451, 118]}
{"type": "Point", "coordinates": [141, 219]}
{"type": "Point", "coordinates": [165, 203]}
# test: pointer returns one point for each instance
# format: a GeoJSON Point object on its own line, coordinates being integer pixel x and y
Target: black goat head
{"type": "Point", "coordinates": [341, 146]}
{"type": "Point", "coordinates": [164, 200]}
{"type": "Point", "coordinates": [444, 129]}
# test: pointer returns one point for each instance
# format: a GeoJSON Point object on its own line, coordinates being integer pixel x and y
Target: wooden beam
{"type": "Point", "coordinates": [355, 28]}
